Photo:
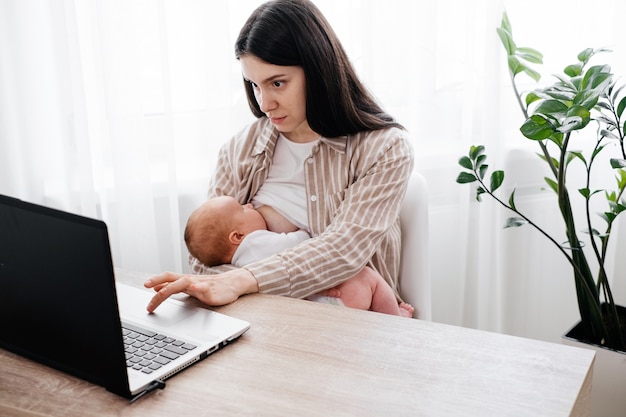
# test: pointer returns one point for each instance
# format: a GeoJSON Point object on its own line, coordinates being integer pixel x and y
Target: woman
{"type": "Point", "coordinates": [321, 149]}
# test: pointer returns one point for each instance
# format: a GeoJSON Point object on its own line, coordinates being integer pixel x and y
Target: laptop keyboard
{"type": "Point", "coordinates": [147, 351]}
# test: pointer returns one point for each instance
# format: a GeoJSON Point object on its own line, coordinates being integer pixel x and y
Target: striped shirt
{"type": "Point", "coordinates": [354, 186]}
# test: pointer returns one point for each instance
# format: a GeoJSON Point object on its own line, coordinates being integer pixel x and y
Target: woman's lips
{"type": "Point", "coordinates": [277, 120]}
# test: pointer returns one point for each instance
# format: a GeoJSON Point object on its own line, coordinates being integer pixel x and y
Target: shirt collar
{"type": "Point", "coordinates": [269, 135]}
{"type": "Point", "coordinates": [338, 144]}
{"type": "Point", "coordinates": [266, 139]}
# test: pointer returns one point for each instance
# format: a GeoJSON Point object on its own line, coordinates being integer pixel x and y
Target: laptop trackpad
{"type": "Point", "coordinates": [133, 301]}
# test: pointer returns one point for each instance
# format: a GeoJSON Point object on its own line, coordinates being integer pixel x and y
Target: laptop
{"type": "Point", "coordinates": [61, 306]}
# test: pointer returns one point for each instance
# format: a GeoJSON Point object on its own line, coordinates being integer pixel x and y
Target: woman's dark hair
{"type": "Point", "coordinates": [295, 33]}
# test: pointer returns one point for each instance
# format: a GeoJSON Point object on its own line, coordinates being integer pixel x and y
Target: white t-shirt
{"type": "Point", "coordinates": [262, 244]}
{"type": "Point", "coordinates": [284, 187]}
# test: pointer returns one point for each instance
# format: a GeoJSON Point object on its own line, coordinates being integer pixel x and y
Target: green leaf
{"type": "Point", "coordinates": [611, 197]}
{"type": "Point", "coordinates": [573, 70]}
{"type": "Point", "coordinates": [553, 184]}
{"type": "Point", "coordinates": [530, 55]}
{"type": "Point", "coordinates": [616, 92]}
{"type": "Point", "coordinates": [621, 106]}
{"type": "Point", "coordinates": [560, 94]}
{"type": "Point", "coordinates": [514, 65]}
{"type": "Point", "coordinates": [551, 107]}
{"type": "Point", "coordinates": [608, 217]}
{"type": "Point", "coordinates": [476, 151]}
{"type": "Point", "coordinates": [597, 77]}
{"type": "Point", "coordinates": [537, 128]}
{"type": "Point", "coordinates": [482, 170]}
{"type": "Point", "coordinates": [580, 156]}
{"type": "Point", "coordinates": [569, 157]}
{"type": "Point", "coordinates": [557, 137]}
{"type": "Point", "coordinates": [466, 178]}
{"type": "Point", "coordinates": [616, 207]}
{"type": "Point", "coordinates": [570, 124]}
{"type": "Point", "coordinates": [587, 99]}
{"type": "Point", "coordinates": [585, 192]}
{"type": "Point", "coordinates": [597, 151]}
{"type": "Point", "coordinates": [497, 177]}
{"type": "Point", "coordinates": [567, 83]}
{"type": "Point", "coordinates": [514, 222]}
{"type": "Point", "coordinates": [593, 232]}
{"type": "Point", "coordinates": [479, 192]}
{"type": "Point", "coordinates": [621, 178]}
{"type": "Point", "coordinates": [585, 55]}
{"type": "Point", "coordinates": [604, 133]}
{"type": "Point", "coordinates": [577, 117]}
{"type": "Point", "coordinates": [618, 163]}
{"type": "Point", "coordinates": [506, 23]}
{"type": "Point", "coordinates": [531, 73]}
{"type": "Point", "coordinates": [466, 163]}
{"type": "Point", "coordinates": [610, 122]}
{"type": "Point", "coordinates": [512, 199]}
{"type": "Point", "coordinates": [531, 98]}
{"type": "Point", "coordinates": [507, 41]}
{"type": "Point", "coordinates": [577, 83]}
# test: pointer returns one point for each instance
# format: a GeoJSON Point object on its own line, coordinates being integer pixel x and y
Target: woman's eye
{"type": "Point", "coordinates": [278, 83]}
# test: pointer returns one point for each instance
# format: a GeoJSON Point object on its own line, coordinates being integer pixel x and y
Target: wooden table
{"type": "Point", "coordinates": [301, 358]}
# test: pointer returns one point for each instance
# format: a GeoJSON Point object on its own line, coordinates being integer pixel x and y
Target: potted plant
{"type": "Point", "coordinates": [583, 98]}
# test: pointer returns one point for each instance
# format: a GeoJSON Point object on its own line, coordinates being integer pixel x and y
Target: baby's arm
{"type": "Point", "coordinates": [275, 221]}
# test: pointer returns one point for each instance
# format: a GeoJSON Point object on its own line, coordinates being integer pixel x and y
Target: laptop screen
{"type": "Point", "coordinates": [57, 293]}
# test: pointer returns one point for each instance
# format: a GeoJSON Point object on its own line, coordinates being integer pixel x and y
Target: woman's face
{"type": "Point", "coordinates": [280, 92]}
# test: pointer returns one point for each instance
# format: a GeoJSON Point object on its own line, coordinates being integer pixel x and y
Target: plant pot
{"type": "Point", "coordinates": [608, 387]}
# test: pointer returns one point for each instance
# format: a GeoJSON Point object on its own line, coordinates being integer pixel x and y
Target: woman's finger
{"type": "Point", "coordinates": [166, 289]}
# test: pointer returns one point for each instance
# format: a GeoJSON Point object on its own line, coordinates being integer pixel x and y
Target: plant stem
{"type": "Point", "coordinates": [542, 145]}
{"type": "Point", "coordinates": [587, 292]}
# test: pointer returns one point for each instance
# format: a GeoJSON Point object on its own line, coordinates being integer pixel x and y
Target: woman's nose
{"type": "Point", "coordinates": [266, 102]}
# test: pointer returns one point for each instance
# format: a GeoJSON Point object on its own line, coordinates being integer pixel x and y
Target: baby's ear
{"type": "Point", "coordinates": [235, 237]}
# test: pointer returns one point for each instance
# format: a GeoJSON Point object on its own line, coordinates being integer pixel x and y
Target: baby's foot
{"type": "Point", "coordinates": [406, 310]}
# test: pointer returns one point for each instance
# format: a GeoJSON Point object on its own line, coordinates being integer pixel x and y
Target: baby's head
{"type": "Point", "coordinates": [216, 228]}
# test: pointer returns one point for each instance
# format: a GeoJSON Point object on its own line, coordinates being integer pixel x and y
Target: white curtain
{"type": "Point", "coordinates": [115, 109]}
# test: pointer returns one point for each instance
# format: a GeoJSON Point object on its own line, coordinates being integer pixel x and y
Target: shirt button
{"type": "Point", "coordinates": [309, 161]}
{"type": "Point", "coordinates": [313, 198]}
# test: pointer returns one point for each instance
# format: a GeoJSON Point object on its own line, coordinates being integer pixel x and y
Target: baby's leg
{"type": "Point", "coordinates": [368, 290]}
{"type": "Point", "coordinates": [383, 298]}
{"type": "Point", "coordinates": [355, 292]}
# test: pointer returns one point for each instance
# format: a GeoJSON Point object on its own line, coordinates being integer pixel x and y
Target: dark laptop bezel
{"type": "Point", "coordinates": [56, 309]}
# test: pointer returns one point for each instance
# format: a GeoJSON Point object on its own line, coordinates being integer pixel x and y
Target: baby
{"type": "Point", "coordinates": [222, 231]}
